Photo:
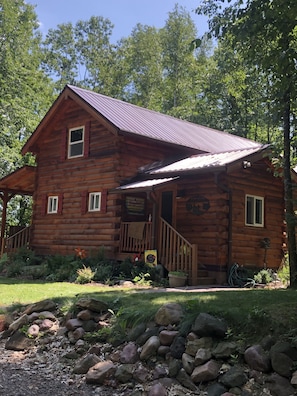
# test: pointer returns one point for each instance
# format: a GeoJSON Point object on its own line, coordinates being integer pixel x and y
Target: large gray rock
{"type": "Point", "coordinates": [18, 342]}
{"type": "Point", "coordinates": [92, 304]}
{"type": "Point", "coordinates": [100, 372]}
{"type": "Point", "coordinates": [202, 356]}
{"type": "Point", "coordinates": [150, 348]}
{"type": "Point", "coordinates": [209, 326]}
{"type": "Point", "coordinates": [207, 372]}
{"type": "Point", "coordinates": [124, 373]}
{"type": "Point", "coordinates": [188, 363]}
{"type": "Point", "coordinates": [216, 389]}
{"type": "Point", "coordinates": [170, 313]}
{"type": "Point", "coordinates": [45, 305]}
{"type": "Point", "coordinates": [129, 354]}
{"type": "Point", "coordinates": [192, 346]}
{"type": "Point", "coordinates": [186, 381]}
{"type": "Point", "coordinates": [73, 324]}
{"type": "Point", "coordinates": [282, 364]}
{"type": "Point", "coordinates": [235, 377]}
{"type": "Point", "coordinates": [279, 386]}
{"type": "Point", "coordinates": [167, 336]}
{"type": "Point", "coordinates": [257, 358]}
{"type": "Point", "coordinates": [224, 350]}
{"type": "Point", "coordinates": [18, 323]}
{"type": "Point", "coordinates": [157, 390]}
{"type": "Point", "coordinates": [177, 348]}
{"type": "Point", "coordinates": [83, 365]}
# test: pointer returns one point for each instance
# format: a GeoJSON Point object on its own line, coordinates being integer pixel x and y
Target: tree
{"type": "Point", "coordinates": [143, 59]}
{"type": "Point", "coordinates": [264, 33]}
{"type": "Point", "coordinates": [179, 64]}
{"type": "Point", "coordinates": [25, 91]}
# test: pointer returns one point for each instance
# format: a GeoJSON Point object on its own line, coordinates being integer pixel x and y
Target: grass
{"type": "Point", "coordinates": [251, 314]}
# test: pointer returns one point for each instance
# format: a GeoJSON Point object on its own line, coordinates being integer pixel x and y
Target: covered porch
{"type": "Point", "coordinates": [20, 182]}
{"type": "Point", "coordinates": [173, 250]}
{"type": "Point", "coordinates": [148, 223]}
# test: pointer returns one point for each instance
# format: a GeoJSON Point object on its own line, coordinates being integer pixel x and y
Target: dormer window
{"type": "Point", "coordinates": [76, 142]}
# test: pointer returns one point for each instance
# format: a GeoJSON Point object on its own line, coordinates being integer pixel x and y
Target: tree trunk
{"type": "Point", "coordinates": [288, 190]}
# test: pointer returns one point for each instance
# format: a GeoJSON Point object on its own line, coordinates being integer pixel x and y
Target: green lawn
{"type": "Point", "coordinates": [252, 312]}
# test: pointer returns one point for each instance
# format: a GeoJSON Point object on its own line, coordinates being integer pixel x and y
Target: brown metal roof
{"type": "Point", "coordinates": [124, 117]}
{"type": "Point", "coordinates": [210, 161]}
{"type": "Point", "coordinates": [144, 185]}
{"type": "Point", "coordinates": [151, 124]}
{"type": "Point", "coordinates": [197, 164]}
{"type": "Point", "coordinates": [21, 181]}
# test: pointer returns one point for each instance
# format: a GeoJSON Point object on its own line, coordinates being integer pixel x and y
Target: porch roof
{"type": "Point", "coordinates": [144, 185]}
{"type": "Point", "coordinates": [21, 181]}
{"type": "Point", "coordinates": [209, 162]}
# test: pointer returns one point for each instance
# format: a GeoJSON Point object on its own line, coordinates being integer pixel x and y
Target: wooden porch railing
{"type": "Point", "coordinates": [176, 253]}
{"type": "Point", "coordinates": [18, 240]}
{"type": "Point", "coordinates": [130, 243]}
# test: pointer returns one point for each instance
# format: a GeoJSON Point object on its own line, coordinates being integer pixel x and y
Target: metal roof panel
{"type": "Point", "coordinates": [207, 161]}
{"type": "Point", "coordinates": [133, 119]}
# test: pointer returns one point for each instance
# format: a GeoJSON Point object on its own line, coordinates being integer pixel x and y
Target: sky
{"type": "Point", "coordinates": [123, 14]}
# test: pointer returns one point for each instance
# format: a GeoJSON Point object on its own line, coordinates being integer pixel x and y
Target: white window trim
{"type": "Point", "coordinates": [52, 204]}
{"type": "Point", "coordinates": [254, 224]}
{"type": "Point", "coordinates": [92, 200]}
{"type": "Point", "coordinates": [77, 142]}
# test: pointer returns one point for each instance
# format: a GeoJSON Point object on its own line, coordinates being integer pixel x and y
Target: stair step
{"type": "Point", "coordinates": [205, 280]}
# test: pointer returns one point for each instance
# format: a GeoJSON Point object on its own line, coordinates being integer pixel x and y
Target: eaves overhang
{"type": "Point", "coordinates": [21, 181]}
{"type": "Point", "coordinates": [143, 185]}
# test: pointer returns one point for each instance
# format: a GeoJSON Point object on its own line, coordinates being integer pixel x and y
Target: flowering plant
{"type": "Point", "coordinates": [80, 253]}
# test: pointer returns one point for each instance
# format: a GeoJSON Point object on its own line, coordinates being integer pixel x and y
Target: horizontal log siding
{"type": "Point", "coordinates": [111, 159]}
{"type": "Point", "coordinates": [210, 229]}
{"type": "Point", "coordinates": [247, 239]}
{"type": "Point", "coordinates": [62, 233]}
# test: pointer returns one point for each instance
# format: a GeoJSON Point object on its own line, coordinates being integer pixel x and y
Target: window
{"type": "Point", "coordinates": [52, 204]}
{"type": "Point", "coordinates": [76, 142]}
{"type": "Point", "coordinates": [95, 202]}
{"type": "Point", "coordinates": [254, 211]}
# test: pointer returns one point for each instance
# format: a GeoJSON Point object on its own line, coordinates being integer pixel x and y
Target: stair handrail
{"type": "Point", "coordinates": [18, 240]}
{"type": "Point", "coordinates": [176, 252]}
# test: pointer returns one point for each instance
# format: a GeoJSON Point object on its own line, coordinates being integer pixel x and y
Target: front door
{"type": "Point", "coordinates": [167, 206]}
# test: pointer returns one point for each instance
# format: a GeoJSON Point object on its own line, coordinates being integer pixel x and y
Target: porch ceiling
{"type": "Point", "coordinates": [21, 181]}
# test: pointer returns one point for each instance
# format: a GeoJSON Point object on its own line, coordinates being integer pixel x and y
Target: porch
{"type": "Point", "coordinates": [174, 251]}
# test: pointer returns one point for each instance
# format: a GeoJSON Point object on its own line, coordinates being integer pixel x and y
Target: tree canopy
{"type": "Point", "coordinates": [264, 33]}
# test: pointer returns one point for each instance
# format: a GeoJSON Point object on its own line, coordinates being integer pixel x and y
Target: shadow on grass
{"type": "Point", "coordinates": [251, 313]}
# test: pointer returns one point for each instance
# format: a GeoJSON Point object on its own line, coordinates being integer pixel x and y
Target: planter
{"type": "Point", "coordinates": [177, 280]}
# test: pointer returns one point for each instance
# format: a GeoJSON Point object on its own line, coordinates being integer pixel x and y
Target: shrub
{"type": "Point", "coordinates": [62, 268]}
{"type": "Point", "coordinates": [284, 271]}
{"type": "Point", "coordinates": [103, 272]}
{"type": "Point", "coordinates": [264, 276]}
{"type": "Point", "coordinates": [85, 275]}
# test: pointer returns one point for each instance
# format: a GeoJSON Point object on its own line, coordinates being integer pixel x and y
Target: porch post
{"type": "Point", "coordinates": [5, 198]}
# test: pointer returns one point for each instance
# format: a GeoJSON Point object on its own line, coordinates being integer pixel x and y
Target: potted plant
{"type": "Point", "coordinates": [177, 278]}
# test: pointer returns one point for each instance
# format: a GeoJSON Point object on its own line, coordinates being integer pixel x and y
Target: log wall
{"type": "Point", "coordinates": [111, 160]}
{"type": "Point", "coordinates": [210, 230]}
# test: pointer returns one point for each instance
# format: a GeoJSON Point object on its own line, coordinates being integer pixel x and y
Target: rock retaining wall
{"type": "Point", "coordinates": [156, 359]}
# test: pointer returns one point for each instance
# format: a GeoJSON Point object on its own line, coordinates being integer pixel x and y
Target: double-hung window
{"type": "Point", "coordinates": [52, 204]}
{"type": "Point", "coordinates": [76, 142]}
{"type": "Point", "coordinates": [254, 211]}
{"type": "Point", "coordinates": [94, 202]}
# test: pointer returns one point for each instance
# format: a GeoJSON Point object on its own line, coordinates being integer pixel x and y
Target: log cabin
{"type": "Point", "coordinates": [114, 175]}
